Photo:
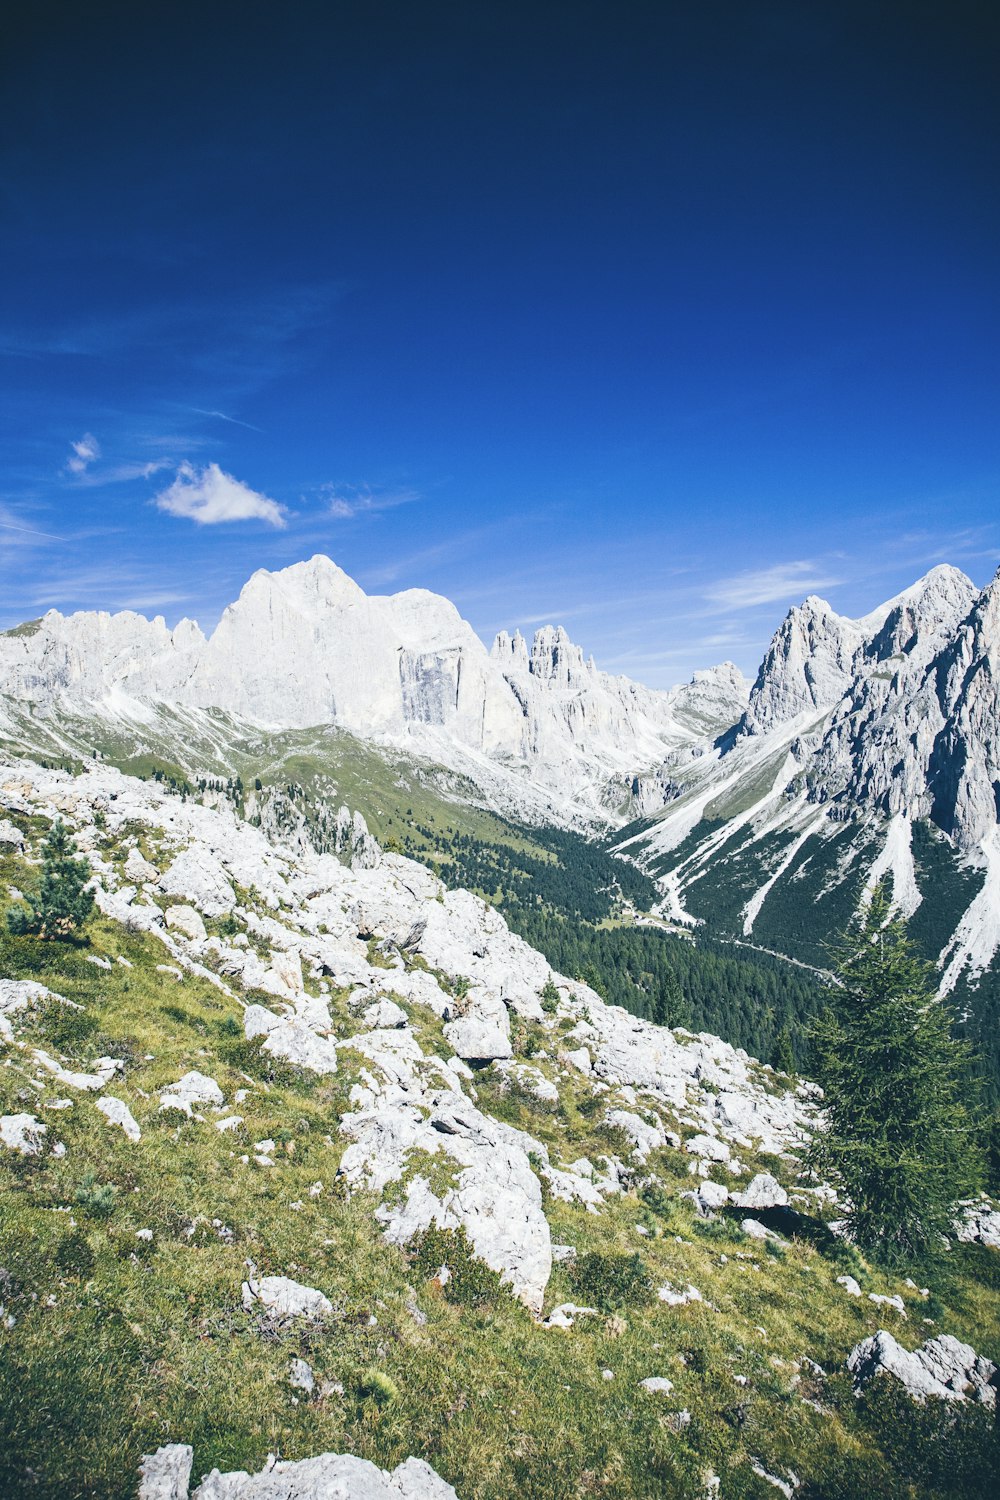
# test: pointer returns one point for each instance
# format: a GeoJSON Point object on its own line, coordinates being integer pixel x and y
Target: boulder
{"type": "Point", "coordinates": [105, 1070]}
{"type": "Point", "coordinates": [708, 1147]}
{"type": "Point", "coordinates": [943, 1367]}
{"type": "Point", "coordinates": [291, 1039]}
{"type": "Point", "coordinates": [186, 920]}
{"type": "Point", "coordinates": [285, 1300]}
{"type": "Point", "coordinates": [194, 1088]}
{"type": "Point", "coordinates": [10, 834]}
{"type": "Point", "coordinates": [166, 1473]}
{"type": "Point", "coordinates": [657, 1385]}
{"type": "Point", "coordinates": [478, 1039]}
{"type": "Point", "coordinates": [139, 870]}
{"type": "Point", "coordinates": [384, 1014]}
{"type": "Point", "coordinates": [330, 1476]}
{"type": "Point", "coordinates": [117, 1112]}
{"type": "Point", "coordinates": [18, 996]}
{"type": "Point", "coordinates": [198, 876]}
{"type": "Point", "coordinates": [763, 1191]}
{"type": "Point", "coordinates": [644, 1137]}
{"type": "Point", "coordinates": [23, 1134]}
{"type": "Point", "coordinates": [979, 1225]}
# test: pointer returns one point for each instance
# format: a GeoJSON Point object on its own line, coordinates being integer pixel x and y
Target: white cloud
{"type": "Point", "coordinates": [791, 580]}
{"type": "Point", "coordinates": [345, 501]}
{"type": "Point", "coordinates": [85, 451]}
{"type": "Point", "coordinates": [209, 496]}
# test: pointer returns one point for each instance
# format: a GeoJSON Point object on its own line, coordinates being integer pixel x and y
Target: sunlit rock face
{"type": "Point", "coordinates": [306, 646]}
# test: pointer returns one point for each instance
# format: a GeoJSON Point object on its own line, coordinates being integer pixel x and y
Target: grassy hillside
{"type": "Point", "coordinates": [114, 1344]}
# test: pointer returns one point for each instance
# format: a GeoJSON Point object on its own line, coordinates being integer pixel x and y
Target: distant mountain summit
{"type": "Point", "coordinates": [307, 646]}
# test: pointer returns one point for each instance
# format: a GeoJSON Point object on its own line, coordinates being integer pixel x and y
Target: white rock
{"type": "Point", "coordinates": [478, 1039]}
{"type": "Point", "coordinates": [166, 1473]}
{"type": "Point", "coordinates": [384, 1013]}
{"type": "Point", "coordinates": [194, 1088]}
{"type": "Point", "coordinates": [708, 1147]}
{"type": "Point", "coordinates": [850, 1285]}
{"type": "Point", "coordinates": [105, 1070]}
{"type": "Point", "coordinates": [11, 834]}
{"type": "Point", "coordinates": [285, 1300]}
{"type": "Point", "coordinates": [943, 1367]}
{"type": "Point", "coordinates": [117, 1112]}
{"type": "Point", "coordinates": [896, 1302]}
{"type": "Point", "coordinates": [763, 1191]}
{"type": "Point", "coordinates": [758, 1231]}
{"type": "Point", "coordinates": [22, 1133]}
{"type": "Point", "coordinates": [186, 920]}
{"type": "Point", "coordinates": [330, 1476]}
{"type": "Point", "coordinates": [657, 1385]}
{"type": "Point", "coordinates": [674, 1298]}
{"type": "Point", "coordinates": [17, 996]}
{"type": "Point", "coordinates": [644, 1137]}
{"type": "Point", "coordinates": [291, 1039]}
{"type": "Point", "coordinates": [198, 875]}
{"type": "Point", "coordinates": [301, 1377]}
{"type": "Point", "coordinates": [139, 870]}
{"type": "Point", "coordinates": [566, 1314]}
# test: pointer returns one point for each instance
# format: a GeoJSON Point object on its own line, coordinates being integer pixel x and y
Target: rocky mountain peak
{"type": "Point", "coordinates": [923, 616]}
{"type": "Point", "coordinates": [555, 658]}
{"type": "Point", "coordinates": [808, 666]}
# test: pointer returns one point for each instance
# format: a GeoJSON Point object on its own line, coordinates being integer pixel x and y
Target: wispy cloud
{"type": "Point", "coordinates": [86, 450]}
{"type": "Point", "coordinates": [344, 501]}
{"type": "Point", "coordinates": [48, 536]}
{"type": "Point", "coordinates": [783, 581]}
{"type": "Point", "coordinates": [209, 497]}
{"type": "Point", "coordinates": [225, 417]}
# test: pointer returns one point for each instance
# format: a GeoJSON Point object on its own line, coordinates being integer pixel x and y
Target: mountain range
{"type": "Point", "coordinates": [865, 747]}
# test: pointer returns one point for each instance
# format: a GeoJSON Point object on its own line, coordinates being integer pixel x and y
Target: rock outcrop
{"type": "Point", "coordinates": [166, 1475]}
{"type": "Point", "coordinates": [943, 1368]}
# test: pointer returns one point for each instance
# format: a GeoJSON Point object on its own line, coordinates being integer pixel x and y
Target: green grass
{"type": "Point", "coordinates": [121, 1344]}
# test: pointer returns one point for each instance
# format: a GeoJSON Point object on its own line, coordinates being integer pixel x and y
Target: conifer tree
{"type": "Point", "coordinates": [900, 1140]}
{"type": "Point", "coordinates": [782, 1055]}
{"type": "Point", "coordinates": [60, 903]}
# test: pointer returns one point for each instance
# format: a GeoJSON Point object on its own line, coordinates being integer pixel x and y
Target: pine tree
{"type": "Point", "coordinates": [782, 1055]}
{"type": "Point", "coordinates": [61, 903]}
{"type": "Point", "coordinates": [900, 1141]}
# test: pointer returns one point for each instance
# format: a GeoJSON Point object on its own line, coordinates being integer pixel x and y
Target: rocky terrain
{"type": "Point", "coordinates": [311, 1157]}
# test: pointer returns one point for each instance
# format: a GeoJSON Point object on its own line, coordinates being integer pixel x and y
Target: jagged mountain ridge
{"type": "Point", "coordinates": [857, 732]}
{"type": "Point", "coordinates": [306, 646]}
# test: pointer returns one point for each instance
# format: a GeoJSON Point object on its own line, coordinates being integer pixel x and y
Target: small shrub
{"type": "Point", "coordinates": [611, 1281]}
{"type": "Point", "coordinates": [659, 1202]}
{"type": "Point", "coordinates": [471, 1283]}
{"type": "Point", "coordinates": [125, 1048]}
{"type": "Point", "coordinates": [63, 1026]}
{"type": "Point", "coordinates": [96, 1198]}
{"type": "Point", "coordinates": [375, 1385]}
{"type": "Point", "coordinates": [247, 1056]}
{"type": "Point", "coordinates": [549, 998]}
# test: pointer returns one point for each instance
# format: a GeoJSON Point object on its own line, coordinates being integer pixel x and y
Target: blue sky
{"type": "Point", "coordinates": [645, 318]}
